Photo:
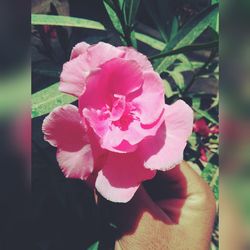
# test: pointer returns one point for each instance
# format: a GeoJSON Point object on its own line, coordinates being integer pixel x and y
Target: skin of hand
{"type": "Point", "coordinates": [174, 211]}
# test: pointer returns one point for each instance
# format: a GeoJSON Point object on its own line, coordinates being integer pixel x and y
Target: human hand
{"type": "Point", "coordinates": [174, 211]}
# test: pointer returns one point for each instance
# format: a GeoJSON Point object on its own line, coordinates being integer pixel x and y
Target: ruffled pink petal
{"type": "Point", "coordinates": [165, 150]}
{"type": "Point", "coordinates": [150, 102]}
{"type": "Point", "coordinates": [124, 141]}
{"type": "Point", "coordinates": [118, 108]}
{"type": "Point", "coordinates": [85, 59]}
{"type": "Point", "coordinates": [99, 120]}
{"type": "Point", "coordinates": [142, 60]}
{"type": "Point", "coordinates": [101, 53]}
{"type": "Point", "coordinates": [73, 76]}
{"type": "Point", "coordinates": [76, 164]}
{"type": "Point", "coordinates": [121, 176]}
{"type": "Point", "coordinates": [115, 136]}
{"type": "Point", "coordinates": [79, 49]}
{"type": "Point", "coordinates": [64, 129]}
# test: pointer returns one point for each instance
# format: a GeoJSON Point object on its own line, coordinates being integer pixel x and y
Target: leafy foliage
{"type": "Point", "coordinates": [187, 35]}
{"type": "Point", "coordinates": [38, 19]}
{"type": "Point", "coordinates": [47, 99]}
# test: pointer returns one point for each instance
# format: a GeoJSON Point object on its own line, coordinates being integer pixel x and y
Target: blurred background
{"type": "Point", "coordinates": [57, 212]}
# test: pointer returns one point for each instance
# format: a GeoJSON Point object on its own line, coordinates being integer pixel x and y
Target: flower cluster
{"type": "Point", "coordinates": [201, 127]}
{"type": "Point", "coordinates": [122, 131]}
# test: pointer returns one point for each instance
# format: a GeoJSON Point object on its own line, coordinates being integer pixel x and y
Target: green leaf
{"type": "Point", "coordinates": [46, 100]}
{"type": "Point", "coordinates": [211, 175]}
{"type": "Point", "coordinates": [130, 9]}
{"type": "Point", "coordinates": [174, 27]}
{"type": "Point", "coordinates": [188, 48]}
{"type": "Point", "coordinates": [150, 41]}
{"type": "Point", "coordinates": [186, 36]}
{"type": "Point", "coordinates": [40, 19]}
{"type": "Point", "coordinates": [178, 78]}
{"type": "Point", "coordinates": [168, 90]}
{"type": "Point", "coordinates": [196, 103]}
{"type": "Point", "coordinates": [113, 16]}
{"type": "Point", "coordinates": [95, 246]}
{"type": "Point", "coordinates": [193, 141]}
{"type": "Point", "coordinates": [215, 23]}
{"type": "Point", "coordinates": [206, 115]}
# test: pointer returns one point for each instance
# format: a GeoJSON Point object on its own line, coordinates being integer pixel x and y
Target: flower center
{"type": "Point", "coordinates": [122, 112]}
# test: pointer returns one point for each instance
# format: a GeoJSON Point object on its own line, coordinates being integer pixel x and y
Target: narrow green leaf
{"type": "Point", "coordinates": [94, 246]}
{"type": "Point", "coordinates": [188, 48]}
{"type": "Point", "coordinates": [178, 78]}
{"type": "Point", "coordinates": [174, 28]}
{"type": "Point", "coordinates": [131, 8]}
{"type": "Point", "coordinates": [46, 100]}
{"type": "Point", "coordinates": [206, 115]}
{"type": "Point", "coordinates": [168, 90]}
{"type": "Point", "coordinates": [113, 17]}
{"type": "Point", "coordinates": [150, 41]}
{"type": "Point", "coordinates": [186, 36]}
{"type": "Point", "coordinates": [196, 103]}
{"type": "Point", "coordinates": [193, 141]}
{"type": "Point", "coordinates": [40, 19]}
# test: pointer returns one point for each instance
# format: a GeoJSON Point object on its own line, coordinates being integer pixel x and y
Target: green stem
{"type": "Point", "coordinates": [194, 47]}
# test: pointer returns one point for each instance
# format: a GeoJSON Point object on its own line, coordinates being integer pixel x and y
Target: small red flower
{"type": "Point", "coordinates": [203, 156]}
{"type": "Point", "coordinates": [48, 29]}
{"type": "Point", "coordinates": [201, 127]}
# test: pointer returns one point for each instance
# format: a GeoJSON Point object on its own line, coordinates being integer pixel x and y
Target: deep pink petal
{"type": "Point", "coordinates": [150, 102]}
{"type": "Point", "coordinates": [122, 76]}
{"type": "Point", "coordinates": [99, 153]}
{"type": "Point", "coordinates": [142, 60]}
{"type": "Point", "coordinates": [116, 77]}
{"type": "Point", "coordinates": [79, 49]}
{"type": "Point", "coordinates": [64, 129]}
{"type": "Point", "coordinates": [165, 150]}
{"type": "Point", "coordinates": [121, 176]}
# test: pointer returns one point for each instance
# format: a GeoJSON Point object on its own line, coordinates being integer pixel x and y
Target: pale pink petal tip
{"type": "Point", "coordinates": [121, 176]}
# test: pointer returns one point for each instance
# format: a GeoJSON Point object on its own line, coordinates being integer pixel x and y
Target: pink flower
{"type": "Point", "coordinates": [122, 131]}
